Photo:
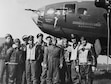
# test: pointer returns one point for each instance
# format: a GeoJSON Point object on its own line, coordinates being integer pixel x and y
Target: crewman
{"type": "Point", "coordinates": [74, 47]}
{"type": "Point", "coordinates": [24, 48]}
{"type": "Point", "coordinates": [3, 58]}
{"type": "Point", "coordinates": [86, 61]}
{"type": "Point", "coordinates": [25, 40]}
{"type": "Point", "coordinates": [40, 40]}
{"type": "Point", "coordinates": [67, 65]}
{"type": "Point", "coordinates": [44, 63]}
{"type": "Point", "coordinates": [33, 61]}
{"type": "Point", "coordinates": [15, 63]}
{"type": "Point", "coordinates": [54, 61]}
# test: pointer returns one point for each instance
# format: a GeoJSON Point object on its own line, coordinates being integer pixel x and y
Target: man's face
{"type": "Point", "coordinates": [83, 41]}
{"type": "Point", "coordinates": [17, 44]}
{"type": "Point", "coordinates": [73, 40]}
{"type": "Point", "coordinates": [54, 41]}
{"type": "Point", "coordinates": [8, 40]}
{"type": "Point", "coordinates": [40, 38]}
{"type": "Point", "coordinates": [31, 42]}
{"type": "Point", "coordinates": [49, 40]}
{"type": "Point", "coordinates": [25, 41]}
{"type": "Point", "coordinates": [65, 42]}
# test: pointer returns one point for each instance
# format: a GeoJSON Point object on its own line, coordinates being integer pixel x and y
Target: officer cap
{"type": "Point", "coordinates": [40, 34]}
{"type": "Point", "coordinates": [8, 35]}
{"type": "Point", "coordinates": [83, 38]}
{"type": "Point", "coordinates": [54, 38]}
{"type": "Point", "coordinates": [17, 40]}
{"type": "Point", "coordinates": [24, 37]}
{"type": "Point", "coordinates": [48, 37]}
{"type": "Point", "coordinates": [73, 36]}
{"type": "Point", "coordinates": [31, 37]}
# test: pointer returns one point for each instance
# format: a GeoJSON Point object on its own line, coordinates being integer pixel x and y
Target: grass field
{"type": "Point", "coordinates": [103, 81]}
{"type": "Point", "coordinates": [102, 77]}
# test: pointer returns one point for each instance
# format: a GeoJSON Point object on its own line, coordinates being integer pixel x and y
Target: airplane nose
{"type": "Point", "coordinates": [38, 17]}
{"type": "Point", "coordinates": [41, 12]}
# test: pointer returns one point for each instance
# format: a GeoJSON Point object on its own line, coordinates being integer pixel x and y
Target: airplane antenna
{"type": "Point", "coordinates": [108, 26]}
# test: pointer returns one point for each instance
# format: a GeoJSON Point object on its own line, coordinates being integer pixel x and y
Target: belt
{"type": "Point", "coordinates": [30, 60]}
{"type": "Point", "coordinates": [11, 63]}
{"type": "Point", "coordinates": [85, 63]}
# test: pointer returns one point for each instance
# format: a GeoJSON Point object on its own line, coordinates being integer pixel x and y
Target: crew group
{"type": "Point", "coordinates": [47, 62]}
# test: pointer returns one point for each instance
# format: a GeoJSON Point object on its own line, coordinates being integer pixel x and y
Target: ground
{"type": "Point", "coordinates": [102, 77]}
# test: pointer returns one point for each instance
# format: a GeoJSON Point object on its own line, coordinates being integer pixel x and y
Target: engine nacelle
{"type": "Point", "coordinates": [103, 3]}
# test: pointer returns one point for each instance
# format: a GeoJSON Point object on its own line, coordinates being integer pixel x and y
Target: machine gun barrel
{"type": "Point", "coordinates": [32, 10]}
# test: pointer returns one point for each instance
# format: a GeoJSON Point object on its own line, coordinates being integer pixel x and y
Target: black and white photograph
{"type": "Point", "coordinates": [55, 41]}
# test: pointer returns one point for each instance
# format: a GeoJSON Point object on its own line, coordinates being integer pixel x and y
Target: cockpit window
{"type": "Point", "coordinates": [70, 8]}
{"type": "Point", "coordinates": [50, 11]}
{"type": "Point", "coordinates": [82, 11]}
{"type": "Point", "coordinates": [58, 12]}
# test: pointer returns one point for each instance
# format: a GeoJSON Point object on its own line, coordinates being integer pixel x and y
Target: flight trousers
{"type": "Point", "coordinates": [43, 75]}
{"type": "Point", "coordinates": [3, 72]}
{"type": "Point", "coordinates": [33, 71]}
{"type": "Point", "coordinates": [53, 73]}
{"type": "Point", "coordinates": [15, 74]}
{"type": "Point", "coordinates": [86, 74]}
{"type": "Point", "coordinates": [68, 73]}
{"type": "Point", "coordinates": [74, 73]}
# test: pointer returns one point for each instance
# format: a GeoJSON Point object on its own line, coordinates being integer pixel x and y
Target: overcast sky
{"type": "Point", "coordinates": [15, 20]}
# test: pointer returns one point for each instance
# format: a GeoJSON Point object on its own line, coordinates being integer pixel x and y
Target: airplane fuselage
{"type": "Point", "coordinates": [80, 18]}
{"type": "Point", "coordinates": [84, 19]}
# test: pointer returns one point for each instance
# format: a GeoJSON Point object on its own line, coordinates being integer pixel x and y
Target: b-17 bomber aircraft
{"type": "Point", "coordinates": [85, 18]}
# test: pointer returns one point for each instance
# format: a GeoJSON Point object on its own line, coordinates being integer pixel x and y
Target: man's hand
{"type": "Point", "coordinates": [60, 66]}
{"type": "Point", "coordinates": [14, 46]}
{"type": "Point", "coordinates": [93, 68]}
{"type": "Point", "coordinates": [44, 65]}
{"type": "Point", "coordinates": [77, 68]}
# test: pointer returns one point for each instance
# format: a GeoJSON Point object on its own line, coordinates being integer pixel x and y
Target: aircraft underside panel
{"type": "Point", "coordinates": [66, 32]}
